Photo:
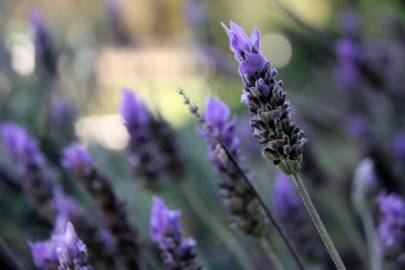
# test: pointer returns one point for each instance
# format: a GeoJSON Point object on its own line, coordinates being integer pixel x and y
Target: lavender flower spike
{"type": "Point", "coordinates": [392, 227]}
{"type": "Point", "coordinates": [176, 250]}
{"type": "Point", "coordinates": [292, 215]}
{"type": "Point", "coordinates": [25, 151]}
{"type": "Point", "coordinates": [137, 119]}
{"type": "Point", "coordinates": [77, 160]}
{"type": "Point", "coordinates": [71, 251]}
{"type": "Point", "coordinates": [238, 199]}
{"type": "Point", "coordinates": [283, 141]}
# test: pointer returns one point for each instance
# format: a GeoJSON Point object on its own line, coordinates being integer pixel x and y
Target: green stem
{"type": "Point", "coordinates": [323, 233]}
{"type": "Point", "coordinates": [372, 243]}
{"type": "Point", "coordinates": [271, 254]}
{"type": "Point", "coordinates": [218, 229]}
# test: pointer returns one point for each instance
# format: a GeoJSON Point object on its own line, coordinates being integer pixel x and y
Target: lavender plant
{"type": "Point", "coordinates": [78, 161]}
{"type": "Point", "coordinates": [153, 146]}
{"type": "Point", "coordinates": [46, 197]}
{"type": "Point", "coordinates": [64, 251]}
{"type": "Point", "coordinates": [282, 139]}
{"type": "Point", "coordinates": [177, 251]}
{"type": "Point", "coordinates": [238, 199]}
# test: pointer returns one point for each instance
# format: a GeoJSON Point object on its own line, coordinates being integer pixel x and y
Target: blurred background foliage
{"type": "Point", "coordinates": [156, 47]}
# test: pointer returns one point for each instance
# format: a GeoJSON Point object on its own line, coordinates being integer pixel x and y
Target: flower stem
{"type": "Point", "coordinates": [268, 248]}
{"type": "Point", "coordinates": [323, 233]}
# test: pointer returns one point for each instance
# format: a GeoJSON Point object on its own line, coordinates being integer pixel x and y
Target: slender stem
{"type": "Point", "coordinates": [217, 228]}
{"type": "Point", "coordinates": [274, 259]}
{"type": "Point", "coordinates": [267, 211]}
{"type": "Point", "coordinates": [8, 259]}
{"type": "Point", "coordinates": [327, 241]}
{"type": "Point", "coordinates": [372, 243]}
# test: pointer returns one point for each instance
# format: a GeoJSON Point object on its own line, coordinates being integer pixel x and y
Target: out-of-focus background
{"type": "Point", "coordinates": [63, 65]}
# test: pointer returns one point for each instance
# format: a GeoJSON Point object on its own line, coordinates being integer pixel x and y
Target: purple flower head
{"type": "Point", "coordinates": [398, 144]}
{"type": "Point", "coordinates": [347, 49]}
{"type": "Point", "coordinates": [164, 221]}
{"type": "Point", "coordinates": [246, 50]}
{"type": "Point", "coordinates": [77, 159]}
{"type": "Point", "coordinates": [166, 231]}
{"type": "Point", "coordinates": [391, 230]}
{"type": "Point", "coordinates": [217, 115]}
{"type": "Point", "coordinates": [20, 145]}
{"type": "Point", "coordinates": [134, 111]}
{"type": "Point", "coordinates": [285, 197]}
{"type": "Point", "coordinates": [43, 46]}
{"type": "Point", "coordinates": [71, 251]}
{"type": "Point", "coordinates": [44, 254]}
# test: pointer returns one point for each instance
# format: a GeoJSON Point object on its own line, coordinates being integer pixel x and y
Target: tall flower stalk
{"type": "Point", "coordinates": [282, 139]}
{"type": "Point", "coordinates": [226, 155]}
{"type": "Point", "coordinates": [78, 161]}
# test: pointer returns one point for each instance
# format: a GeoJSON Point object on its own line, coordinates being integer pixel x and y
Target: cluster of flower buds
{"type": "Point", "coordinates": [177, 251]}
{"type": "Point", "coordinates": [24, 149]}
{"type": "Point", "coordinates": [283, 141]}
{"type": "Point", "coordinates": [64, 251]}
{"type": "Point", "coordinates": [392, 227]}
{"type": "Point", "coordinates": [77, 160]}
{"type": "Point", "coordinates": [153, 147]}
{"type": "Point", "coordinates": [238, 198]}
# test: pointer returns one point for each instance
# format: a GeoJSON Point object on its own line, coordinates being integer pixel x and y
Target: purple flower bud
{"type": "Point", "coordinates": [20, 145]}
{"type": "Point", "coordinates": [42, 41]}
{"type": "Point", "coordinates": [392, 225]}
{"type": "Point", "coordinates": [176, 250]}
{"type": "Point", "coordinates": [77, 159]}
{"type": "Point", "coordinates": [71, 251]}
{"type": "Point", "coordinates": [134, 111]}
{"type": "Point", "coordinates": [240, 42]}
{"type": "Point", "coordinates": [44, 255]}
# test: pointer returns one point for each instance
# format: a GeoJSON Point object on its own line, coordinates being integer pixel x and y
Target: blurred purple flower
{"type": "Point", "coordinates": [398, 144]}
{"type": "Point", "coordinates": [20, 145]}
{"type": "Point", "coordinates": [176, 250]}
{"type": "Point", "coordinates": [77, 159]}
{"type": "Point", "coordinates": [391, 229]}
{"type": "Point", "coordinates": [43, 45]}
{"type": "Point", "coordinates": [44, 255]}
{"type": "Point", "coordinates": [347, 70]}
{"type": "Point", "coordinates": [134, 111]}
